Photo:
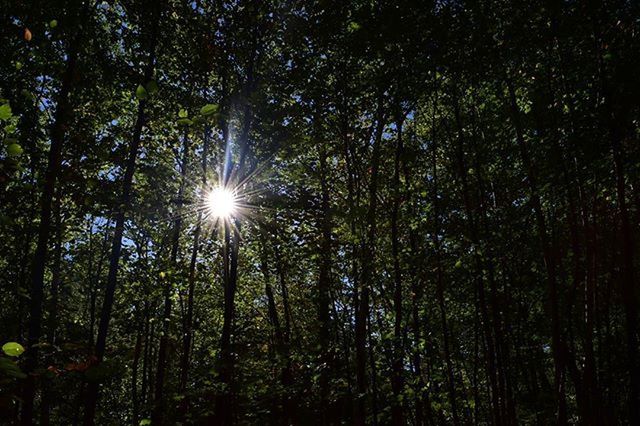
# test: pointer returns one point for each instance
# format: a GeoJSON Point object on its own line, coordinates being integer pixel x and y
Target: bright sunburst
{"type": "Point", "coordinates": [221, 203]}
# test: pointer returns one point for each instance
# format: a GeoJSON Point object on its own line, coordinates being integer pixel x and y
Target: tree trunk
{"type": "Point", "coordinates": [125, 198]}
{"type": "Point", "coordinates": [225, 400]}
{"type": "Point", "coordinates": [368, 263]}
{"type": "Point", "coordinates": [557, 345]}
{"type": "Point", "coordinates": [397, 379]}
{"type": "Point", "coordinates": [440, 290]}
{"type": "Point", "coordinates": [62, 118]}
{"type": "Point", "coordinates": [158, 412]}
{"type": "Point", "coordinates": [135, 401]}
{"type": "Point", "coordinates": [324, 299]}
{"type": "Point", "coordinates": [188, 321]}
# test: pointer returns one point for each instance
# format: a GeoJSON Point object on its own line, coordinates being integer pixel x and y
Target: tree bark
{"type": "Point", "coordinates": [125, 198]}
{"type": "Point", "coordinates": [62, 118]}
{"type": "Point", "coordinates": [557, 344]}
{"type": "Point", "coordinates": [440, 286]}
{"type": "Point", "coordinates": [368, 255]}
{"type": "Point", "coordinates": [324, 290]}
{"type": "Point", "coordinates": [158, 412]}
{"type": "Point", "coordinates": [397, 378]}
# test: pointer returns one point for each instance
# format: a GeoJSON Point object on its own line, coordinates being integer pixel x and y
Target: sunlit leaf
{"type": "Point", "coordinates": [12, 349]}
{"type": "Point", "coordinates": [14, 150]}
{"type": "Point", "coordinates": [141, 92]}
{"type": "Point", "coordinates": [5, 112]}
{"type": "Point", "coordinates": [209, 109]}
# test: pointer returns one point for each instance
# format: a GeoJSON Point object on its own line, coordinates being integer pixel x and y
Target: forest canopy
{"type": "Point", "coordinates": [326, 212]}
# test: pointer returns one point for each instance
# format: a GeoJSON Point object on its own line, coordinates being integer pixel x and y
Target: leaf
{"type": "Point", "coordinates": [184, 121]}
{"type": "Point", "coordinates": [13, 349]}
{"type": "Point", "coordinates": [152, 87]}
{"type": "Point", "coordinates": [183, 113]}
{"type": "Point", "coordinates": [141, 92]}
{"type": "Point", "coordinates": [144, 422]}
{"type": "Point", "coordinates": [27, 34]}
{"type": "Point", "coordinates": [11, 369]}
{"type": "Point", "coordinates": [14, 150]}
{"type": "Point", "coordinates": [26, 94]}
{"type": "Point", "coordinates": [5, 112]}
{"type": "Point", "coordinates": [354, 26]}
{"type": "Point", "coordinates": [53, 23]}
{"type": "Point", "coordinates": [209, 109]}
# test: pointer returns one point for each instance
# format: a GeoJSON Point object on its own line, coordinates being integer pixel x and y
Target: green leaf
{"type": "Point", "coordinates": [354, 26]}
{"type": "Point", "coordinates": [10, 368]}
{"type": "Point", "coordinates": [53, 23]}
{"type": "Point", "coordinates": [14, 150]}
{"type": "Point", "coordinates": [26, 94]}
{"type": "Point", "coordinates": [141, 92]}
{"type": "Point", "coordinates": [458, 264]}
{"type": "Point", "coordinates": [13, 349]}
{"type": "Point", "coordinates": [144, 422]}
{"type": "Point", "coordinates": [184, 121]}
{"type": "Point", "coordinates": [209, 109]}
{"type": "Point", "coordinates": [183, 113]}
{"type": "Point", "coordinates": [5, 112]}
{"type": "Point", "coordinates": [152, 87]}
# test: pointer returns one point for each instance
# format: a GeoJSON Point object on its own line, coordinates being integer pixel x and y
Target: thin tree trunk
{"type": "Point", "coordinates": [146, 357]}
{"type": "Point", "coordinates": [225, 400]}
{"type": "Point", "coordinates": [289, 402]}
{"type": "Point", "coordinates": [281, 362]}
{"type": "Point", "coordinates": [62, 118]}
{"type": "Point", "coordinates": [135, 401]}
{"type": "Point", "coordinates": [397, 378]}
{"type": "Point", "coordinates": [327, 411]}
{"type": "Point", "coordinates": [440, 290]}
{"type": "Point", "coordinates": [368, 263]}
{"type": "Point", "coordinates": [158, 412]}
{"type": "Point", "coordinates": [45, 402]}
{"type": "Point", "coordinates": [125, 198]}
{"type": "Point", "coordinates": [557, 345]}
{"type": "Point", "coordinates": [188, 322]}
{"type": "Point", "coordinates": [493, 360]}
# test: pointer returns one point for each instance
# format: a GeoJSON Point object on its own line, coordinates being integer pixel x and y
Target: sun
{"type": "Point", "coordinates": [221, 203]}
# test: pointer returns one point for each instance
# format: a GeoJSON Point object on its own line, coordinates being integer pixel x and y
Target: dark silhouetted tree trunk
{"type": "Point", "coordinates": [123, 204]}
{"type": "Point", "coordinates": [62, 118]}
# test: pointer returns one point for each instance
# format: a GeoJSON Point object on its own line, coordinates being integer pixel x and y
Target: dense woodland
{"type": "Point", "coordinates": [437, 219]}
